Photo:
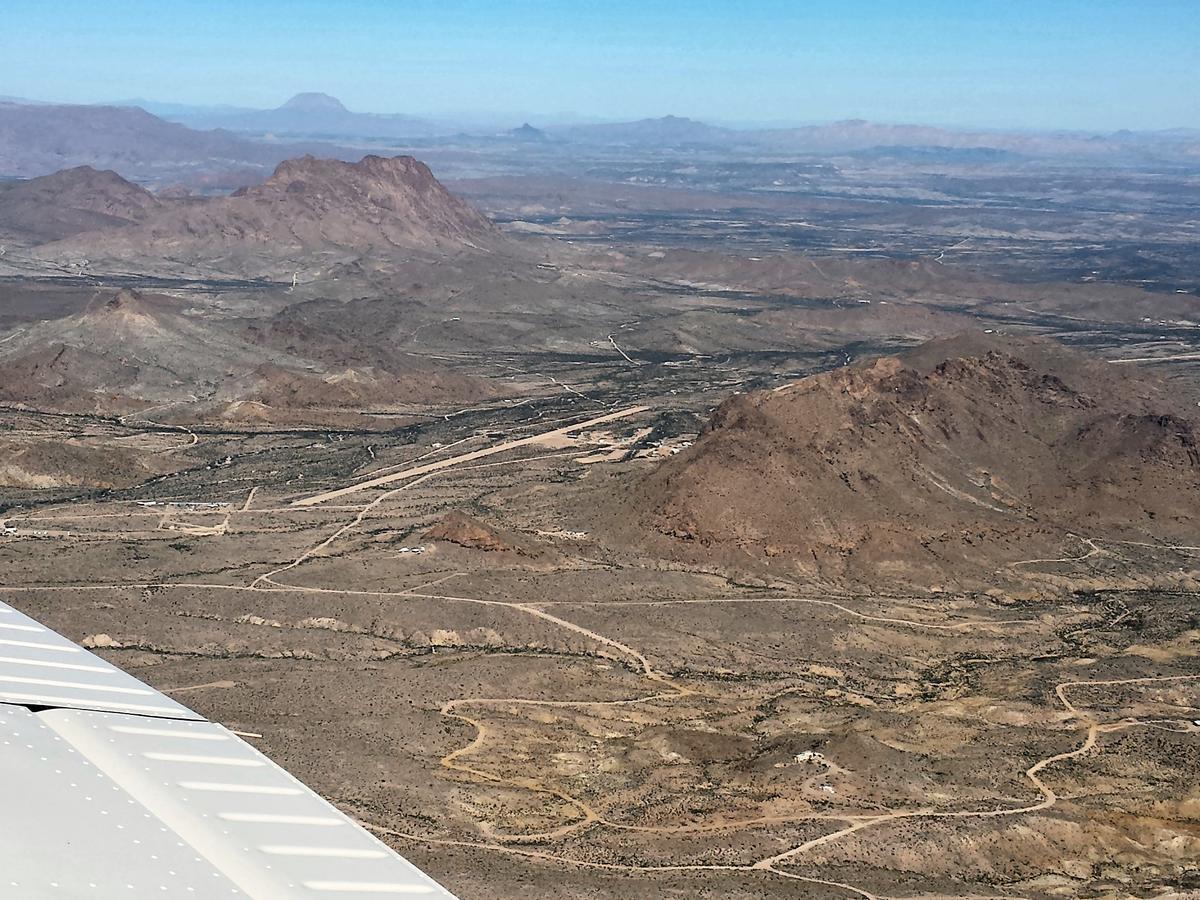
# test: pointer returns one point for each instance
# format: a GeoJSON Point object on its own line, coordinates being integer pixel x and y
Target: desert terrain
{"type": "Point", "coordinates": [580, 541]}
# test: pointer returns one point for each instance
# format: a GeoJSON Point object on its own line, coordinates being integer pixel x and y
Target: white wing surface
{"type": "Point", "coordinates": [109, 788]}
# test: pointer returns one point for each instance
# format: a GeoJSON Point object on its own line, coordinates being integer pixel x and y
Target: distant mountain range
{"type": "Point", "coordinates": [324, 116]}
{"type": "Point", "coordinates": [314, 113]}
{"type": "Point", "coordinates": [668, 130]}
{"type": "Point", "coordinates": [38, 139]}
{"type": "Point", "coordinates": [222, 147]}
{"type": "Point", "coordinates": [920, 142]}
{"type": "Point", "coordinates": [305, 115]}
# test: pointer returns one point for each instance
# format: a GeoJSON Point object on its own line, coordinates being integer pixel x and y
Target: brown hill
{"type": "Point", "coordinates": [123, 351]}
{"type": "Point", "coordinates": [126, 351]}
{"type": "Point", "coordinates": [377, 201]}
{"type": "Point", "coordinates": [938, 466]}
{"type": "Point", "coordinates": [29, 462]}
{"type": "Point", "coordinates": [309, 213]}
{"type": "Point", "coordinates": [456, 527]}
{"type": "Point", "coordinates": [69, 202]}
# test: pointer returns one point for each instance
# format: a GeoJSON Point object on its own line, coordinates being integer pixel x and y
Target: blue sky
{"type": "Point", "coordinates": [1100, 64]}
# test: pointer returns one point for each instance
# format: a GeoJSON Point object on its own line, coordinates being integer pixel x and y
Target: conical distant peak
{"type": "Point", "coordinates": [313, 101]}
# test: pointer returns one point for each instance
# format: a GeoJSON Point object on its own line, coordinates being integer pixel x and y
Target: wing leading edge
{"type": "Point", "coordinates": [109, 788]}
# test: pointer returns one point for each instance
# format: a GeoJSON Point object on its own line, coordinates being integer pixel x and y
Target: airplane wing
{"type": "Point", "coordinates": [109, 788]}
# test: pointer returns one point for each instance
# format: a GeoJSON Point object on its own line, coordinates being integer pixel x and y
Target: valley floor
{"type": "Point", "coordinates": [559, 715]}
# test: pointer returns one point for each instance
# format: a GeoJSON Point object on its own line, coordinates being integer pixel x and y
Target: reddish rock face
{"type": "Point", "coordinates": [958, 456]}
{"type": "Point", "coordinates": [378, 207]}
{"type": "Point", "coordinates": [456, 527]}
{"type": "Point", "coordinates": [398, 195]}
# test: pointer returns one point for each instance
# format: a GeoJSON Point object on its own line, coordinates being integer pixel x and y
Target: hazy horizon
{"type": "Point", "coordinates": [1077, 66]}
{"type": "Point", "coordinates": [562, 119]}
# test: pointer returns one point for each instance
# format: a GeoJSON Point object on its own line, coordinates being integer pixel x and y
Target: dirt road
{"type": "Point", "coordinates": [466, 457]}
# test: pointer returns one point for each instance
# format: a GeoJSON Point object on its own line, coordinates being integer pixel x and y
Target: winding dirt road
{"type": "Point", "coordinates": [664, 689]}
